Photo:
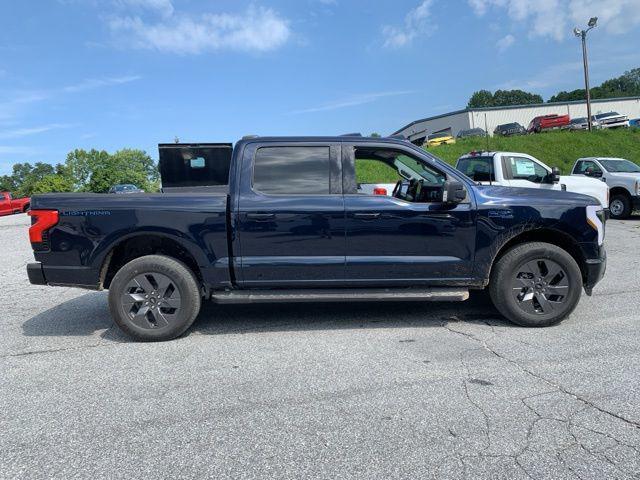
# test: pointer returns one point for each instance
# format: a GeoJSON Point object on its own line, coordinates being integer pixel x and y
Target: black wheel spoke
{"type": "Point", "coordinates": [151, 300]}
{"type": "Point", "coordinates": [540, 286]}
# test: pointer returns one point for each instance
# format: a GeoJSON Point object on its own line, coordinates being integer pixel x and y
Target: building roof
{"type": "Point", "coordinates": [512, 107]}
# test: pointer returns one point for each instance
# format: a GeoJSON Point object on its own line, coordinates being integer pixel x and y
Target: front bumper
{"type": "Point", "coordinates": [595, 269]}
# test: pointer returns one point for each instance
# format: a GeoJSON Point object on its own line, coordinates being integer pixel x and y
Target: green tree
{"type": "Point", "coordinates": [480, 99]}
{"type": "Point", "coordinates": [375, 135]}
{"type": "Point", "coordinates": [80, 166]}
{"type": "Point", "coordinates": [502, 98]}
{"type": "Point", "coordinates": [124, 166]}
{"type": "Point", "coordinates": [7, 184]}
{"type": "Point", "coordinates": [53, 183]}
{"type": "Point", "coordinates": [626, 85]}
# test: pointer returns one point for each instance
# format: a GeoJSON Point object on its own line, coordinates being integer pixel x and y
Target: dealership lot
{"type": "Point", "coordinates": [396, 390]}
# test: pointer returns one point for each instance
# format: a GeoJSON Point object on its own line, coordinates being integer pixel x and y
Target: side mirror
{"type": "Point", "coordinates": [554, 176]}
{"type": "Point", "coordinates": [453, 192]}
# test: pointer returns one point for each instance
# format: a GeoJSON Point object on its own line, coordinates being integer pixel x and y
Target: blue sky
{"type": "Point", "coordinates": [110, 74]}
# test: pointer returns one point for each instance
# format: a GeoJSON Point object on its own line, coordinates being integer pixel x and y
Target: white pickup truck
{"type": "Point", "coordinates": [512, 169]}
{"type": "Point", "coordinates": [621, 176]}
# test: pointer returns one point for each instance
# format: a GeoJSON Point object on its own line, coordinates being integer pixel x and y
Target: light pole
{"type": "Point", "coordinates": [583, 34]}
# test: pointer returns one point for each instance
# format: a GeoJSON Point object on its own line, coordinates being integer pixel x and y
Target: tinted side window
{"type": "Point", "coordinates": [292, 170]}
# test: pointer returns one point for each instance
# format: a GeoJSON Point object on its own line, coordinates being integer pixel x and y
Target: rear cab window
{"type": "Point", "coordinates": [478, 169]}
{"type": "Point", "coordinates": [292, 170]}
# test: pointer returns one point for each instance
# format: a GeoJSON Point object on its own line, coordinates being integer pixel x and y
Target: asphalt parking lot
{"type": "Point", "coordinates": [320, 391]}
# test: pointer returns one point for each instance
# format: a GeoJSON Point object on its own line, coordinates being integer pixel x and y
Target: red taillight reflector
{"type": "Point", "coordinates": [379, 191]}
{"type": "Point", "coordinates": [41, 221]}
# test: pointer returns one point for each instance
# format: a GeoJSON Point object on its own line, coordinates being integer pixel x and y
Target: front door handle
{"type": "Point", "coordinates": [261, 216]}
{"type": "Point", "coordinates": [366, 216]}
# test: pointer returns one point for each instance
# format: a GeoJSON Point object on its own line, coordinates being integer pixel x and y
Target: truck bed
{"type": "Point", "coordinates": [92, 225]}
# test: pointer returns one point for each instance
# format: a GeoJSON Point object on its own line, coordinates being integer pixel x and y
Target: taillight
{"type": "Point", "coordinates": [379, 191]}
{"type": "Point", "coordinates": [41, 221]}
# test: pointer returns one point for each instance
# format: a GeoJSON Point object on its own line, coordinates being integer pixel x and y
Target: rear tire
{"type": "Point", "coordinates": [154, 298]}
{"type": "Point", "coordinates": [620, 207]}
{"type": "Point", "coordinates": [536, 284]}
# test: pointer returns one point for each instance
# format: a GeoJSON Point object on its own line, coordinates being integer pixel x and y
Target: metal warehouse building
{"type": "Point", "coordinates": [489, 118]}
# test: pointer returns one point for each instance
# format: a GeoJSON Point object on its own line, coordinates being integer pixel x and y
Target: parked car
{"type": "Point", "coordinates": [582, 123]}
{"type": "Point", "coordinates": [439, 138]}
{"type": "Point", "coordinates": [10, 205]}
{"type": "Point", "coordinates": [611, 120]}
{"type": "Point", "coordinates": [125, 188]}
{"type": "Point", "coordinates": [521, 170]}
{"type": "Point", "coordinates": [291, 228]}
{"type": "Point", "coordinates": [472, 132]}
{"type": "Point", "coordinates": [621, 176]}
{"type": "Point", "coordinates": [548, 122]}
{"type": "Point", "coordinates": [635, 123]}
{"type": "Point", "coordinates": [509, 129]}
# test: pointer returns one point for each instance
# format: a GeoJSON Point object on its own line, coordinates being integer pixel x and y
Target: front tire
{"type": "Point", "coordinates": [620, 207]}
{"type": "Point", "coordinates": [154, 298]}
{"type": "Point", "coordinates": [536, 284]}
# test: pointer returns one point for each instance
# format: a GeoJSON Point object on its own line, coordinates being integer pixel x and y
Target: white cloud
{"type": "Point", "coordinates": [24, 132]}
{"type": "Point", "coordinates": [555, 18]}
{"type": "Point", "coordinates": [505, 42]}
{"type": "Point", "coordinates": [352, 101]}
{"type": "Point", "coordinates": [414, 24]}
{"type": "Point", "coordinates": [256, 29]}
{"type": "Point", "coordinates": [17, 100]}
{"type": "Point", "coordinates": [615, 16]}
{"type": "Point", "coordinates": [92, 83]}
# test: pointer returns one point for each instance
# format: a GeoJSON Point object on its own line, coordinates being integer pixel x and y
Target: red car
{"type": "Point", "coordinates": [548, 122]}
{"type": "Point", "coordinates": [9, 205]}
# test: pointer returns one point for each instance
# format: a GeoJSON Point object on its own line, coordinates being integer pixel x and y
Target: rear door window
{"type": "Point", "coordinates": [292, 170]}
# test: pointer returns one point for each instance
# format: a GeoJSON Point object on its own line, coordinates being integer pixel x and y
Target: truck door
{"type": "Point", "coordinates": [525, 172]}
{"type": "Point", "coordinates": [411, 236]}
{"type": "Point", "coordinates": [290, 215]}
{"type": "Point", "coordinates": [5, 203]}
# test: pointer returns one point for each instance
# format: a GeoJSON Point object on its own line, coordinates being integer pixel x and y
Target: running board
{"type": "Point", "coordinates": [333, 295]}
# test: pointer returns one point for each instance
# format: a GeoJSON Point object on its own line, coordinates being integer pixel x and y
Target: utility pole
{"type": "Point", "coordinates": [583, 35]}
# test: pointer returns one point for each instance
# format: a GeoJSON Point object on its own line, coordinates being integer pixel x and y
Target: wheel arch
{"type": "Point", "coordinates": [619, 190]}
{"type": "Point", "coordinates": [546, 235]}
{"type": "Point", "coordinates": [144, 243]}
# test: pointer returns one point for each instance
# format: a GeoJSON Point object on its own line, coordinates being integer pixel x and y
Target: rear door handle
{"type": "Point", "coordinates": [261, 216]}
{"type": "Point", "coordinates": [366, 216]}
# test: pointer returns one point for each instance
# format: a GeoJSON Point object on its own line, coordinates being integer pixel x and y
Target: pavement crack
{"type": "Point", "coordinates": [488, 348]}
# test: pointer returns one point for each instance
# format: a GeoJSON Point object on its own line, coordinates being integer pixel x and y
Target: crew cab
{"type": "Point", "coordinates": [514, 169]}
{"type": "Point", "coordinates": [10, 205]}
{"type": "Point", "coordinates": [621, 176]}
{"type": "Point", "coordinates": [548, 122]}
{"type": "Point", "coordinates": [290, 226]}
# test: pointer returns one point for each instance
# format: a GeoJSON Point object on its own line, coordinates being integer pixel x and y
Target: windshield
{"type": "Point", "coordinates": [438, 135]}
{"type": "Point", "coordinates": [579, 120]}
{"type": "Point", "coordinates": [621, 166]}
{"type": "Point", "coordinates": [608, 114]}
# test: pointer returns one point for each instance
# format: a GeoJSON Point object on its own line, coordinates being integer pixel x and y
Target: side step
{"type": "Point", "coordinates": [434, 294]}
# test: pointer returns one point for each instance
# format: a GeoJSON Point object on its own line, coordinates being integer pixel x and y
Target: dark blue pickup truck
{"type": "Point", "coordinates": [286, 221]}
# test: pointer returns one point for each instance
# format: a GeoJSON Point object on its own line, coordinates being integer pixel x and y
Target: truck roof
{"type": "Point", "coordinates": [333, 138]}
